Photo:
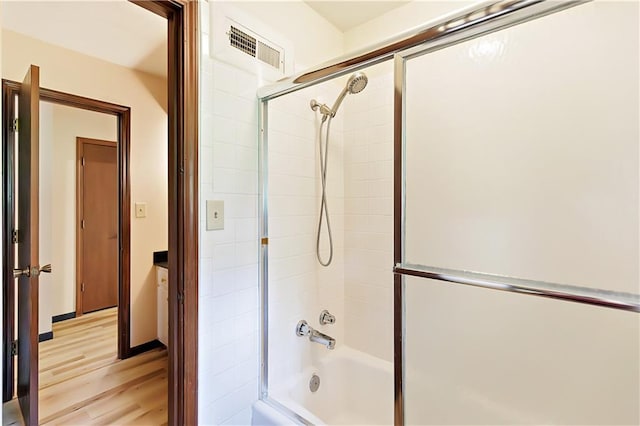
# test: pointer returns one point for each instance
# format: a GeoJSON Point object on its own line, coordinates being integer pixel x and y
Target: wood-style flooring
{"type": "Point", "coordinates": [83, 383]}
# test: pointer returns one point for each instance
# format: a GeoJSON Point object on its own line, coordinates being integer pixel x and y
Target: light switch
{"type": "Point", "coordinates": [141, 209]}
{"type": "Point", "coordinates": [215, 215]}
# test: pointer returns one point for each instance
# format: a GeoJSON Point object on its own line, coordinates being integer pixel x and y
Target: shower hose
{"type": "Point", "coordinates": [324, 209]}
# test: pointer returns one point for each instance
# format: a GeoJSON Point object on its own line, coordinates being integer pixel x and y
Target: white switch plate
{"type": "Point", "coordinates": [215, 215]}
{"type": "Point", "coordinates": [141, 209]}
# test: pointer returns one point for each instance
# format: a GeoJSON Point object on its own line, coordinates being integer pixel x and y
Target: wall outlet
{"type": "Point", "coordinates": [215, 215]}
{"type": "Point", "coordinates": [141, 209]}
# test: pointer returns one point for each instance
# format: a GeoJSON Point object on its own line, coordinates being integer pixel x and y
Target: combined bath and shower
{"type": "Point", "coordinates": [356, 84]}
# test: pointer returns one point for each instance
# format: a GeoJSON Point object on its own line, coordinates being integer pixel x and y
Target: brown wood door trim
{"type": "Point", "coordinates": [80, 143]}
{"type": "Point", "coordinates": [182, 18]}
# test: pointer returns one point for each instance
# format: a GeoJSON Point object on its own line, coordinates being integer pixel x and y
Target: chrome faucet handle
{"type": "Point", "coordinates": [303, 329]}
{"type": "Point", "coordinates": [327, 318]}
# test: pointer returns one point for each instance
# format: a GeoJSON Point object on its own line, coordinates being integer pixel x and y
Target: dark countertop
{"type": "Point", "coordinates": [161, 259]}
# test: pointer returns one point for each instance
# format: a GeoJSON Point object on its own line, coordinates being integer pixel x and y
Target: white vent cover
{"type": "Point", "coordinates": [249, 43]}
{"type": "Point", "coordinates": [254, 50]}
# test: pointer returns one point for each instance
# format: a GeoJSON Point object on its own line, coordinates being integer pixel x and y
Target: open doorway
{"type": "Point", "coordinates": [182, 214]}
{"type": "Point", "coordinates": [89, 346]}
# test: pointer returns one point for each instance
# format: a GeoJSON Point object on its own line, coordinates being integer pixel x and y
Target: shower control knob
{"type": "Point", "coordinates": [327, 318]}
{"type": "Point", "coordinates": [303, 329]}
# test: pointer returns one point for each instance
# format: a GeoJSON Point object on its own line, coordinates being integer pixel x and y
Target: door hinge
{"type": "Point", "coordinates": [82, 161]}
{"type": "Point", "coordinates": [180, 297]}
{"type": "Point", "coordinates": [82, 224]}
{"type": "Point", "coordinates": [14, 348]}
{"type": "Point", "coordinates": [15, 125]}
{"type": "Point", "coordinates": [82, 287]}
{"type": "Point", "coordinates": [15, 235]}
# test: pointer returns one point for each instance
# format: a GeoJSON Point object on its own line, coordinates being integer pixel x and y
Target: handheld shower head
{"type": "Point", "coordinates": [356, 84]}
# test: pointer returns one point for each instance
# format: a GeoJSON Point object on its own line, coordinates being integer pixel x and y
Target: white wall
{"type": "Point", "coordinates": [399, 20]}
{"type": "Point", "coordinates": [46, 290]}
{"type": "Point", "coordinates": [71, 72]}
{"type": "Point", "coordinates": [228, 305]}
{"type": "Point", "coordinates": [68, 123]}
{"type": "Point", "coordinates": [59, 127]}
{"type": "Point", "coordinates": [314, 39]}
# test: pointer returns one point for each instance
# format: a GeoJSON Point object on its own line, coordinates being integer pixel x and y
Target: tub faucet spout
{"type": "Point", "coordinates": [323, 339]}
{"type": "Point", "coordinates": [304, 329]}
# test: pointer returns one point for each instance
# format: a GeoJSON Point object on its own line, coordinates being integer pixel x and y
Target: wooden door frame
{"type": "Point", "coordinates": [183, 45]}
{"type": "Point", "coordinates": [182, 19]}
{"type": "Point", "coordinates": [123, 115]}
{"type": "Point", "coordinates": [80, 142]}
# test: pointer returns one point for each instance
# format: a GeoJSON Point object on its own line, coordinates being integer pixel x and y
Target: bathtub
{"type": "Point", "coordinates": [355, 389]}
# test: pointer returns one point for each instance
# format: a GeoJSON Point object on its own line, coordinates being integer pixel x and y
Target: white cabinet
{"type": "Point", "coordinates": [162, 277]}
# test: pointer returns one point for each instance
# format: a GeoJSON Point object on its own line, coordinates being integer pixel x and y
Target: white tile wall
{"type": "Point", "coordinates": [356, 287]}
{"type": "Point", "coordinates": [359, 199]}
{"type": "Point", "coordinates": [229, 300]}
{"type": "Point", "coordinates": [228, 304]}
{"type": "Point", "coordinates": [299, 288]}
{"type": "Point", "coordinates": [368, 226]}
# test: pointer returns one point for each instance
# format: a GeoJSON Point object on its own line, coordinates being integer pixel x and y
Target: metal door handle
{"type": "Point", "coordinates": [17, 273]}
{"type": "Point", "coordinates": [28, 272]}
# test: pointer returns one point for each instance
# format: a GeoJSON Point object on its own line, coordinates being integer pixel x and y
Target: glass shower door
{"type": "Point", "coordinates": [521, 160]}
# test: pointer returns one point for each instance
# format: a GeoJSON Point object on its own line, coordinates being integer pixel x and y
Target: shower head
{"type": "Point", "coordinates": [356, 84]}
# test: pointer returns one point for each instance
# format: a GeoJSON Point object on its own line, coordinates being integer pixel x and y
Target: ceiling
{"type": "Point", "coordinates": [115, 31]}
{"type": "Point", "coordinates": [345, 15]}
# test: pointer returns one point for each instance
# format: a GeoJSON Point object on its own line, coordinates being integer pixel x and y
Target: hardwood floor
{"type": "Point", "coordinates": [83, 383]}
